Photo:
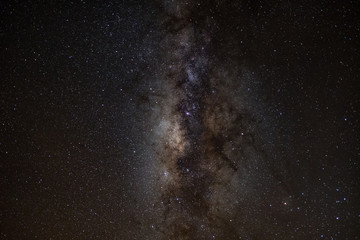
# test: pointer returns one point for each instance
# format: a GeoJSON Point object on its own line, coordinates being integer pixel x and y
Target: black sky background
{"type": "Point", "coordinates": [75, 81]}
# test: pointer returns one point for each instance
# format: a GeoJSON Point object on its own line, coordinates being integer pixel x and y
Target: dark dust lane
{"type": "Point", "coordinates": [207, 141]}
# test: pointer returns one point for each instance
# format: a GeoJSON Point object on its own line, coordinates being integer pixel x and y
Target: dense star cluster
{"type": "Point", "coordinates": [174, 119]}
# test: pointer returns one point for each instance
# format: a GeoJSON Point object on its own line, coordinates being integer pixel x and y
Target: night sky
{"type": "Point", "coordinates": [174, 119]}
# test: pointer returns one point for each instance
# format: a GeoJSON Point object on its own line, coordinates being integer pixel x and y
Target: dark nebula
{"type": "Point", "coordinates": [180, 120]}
